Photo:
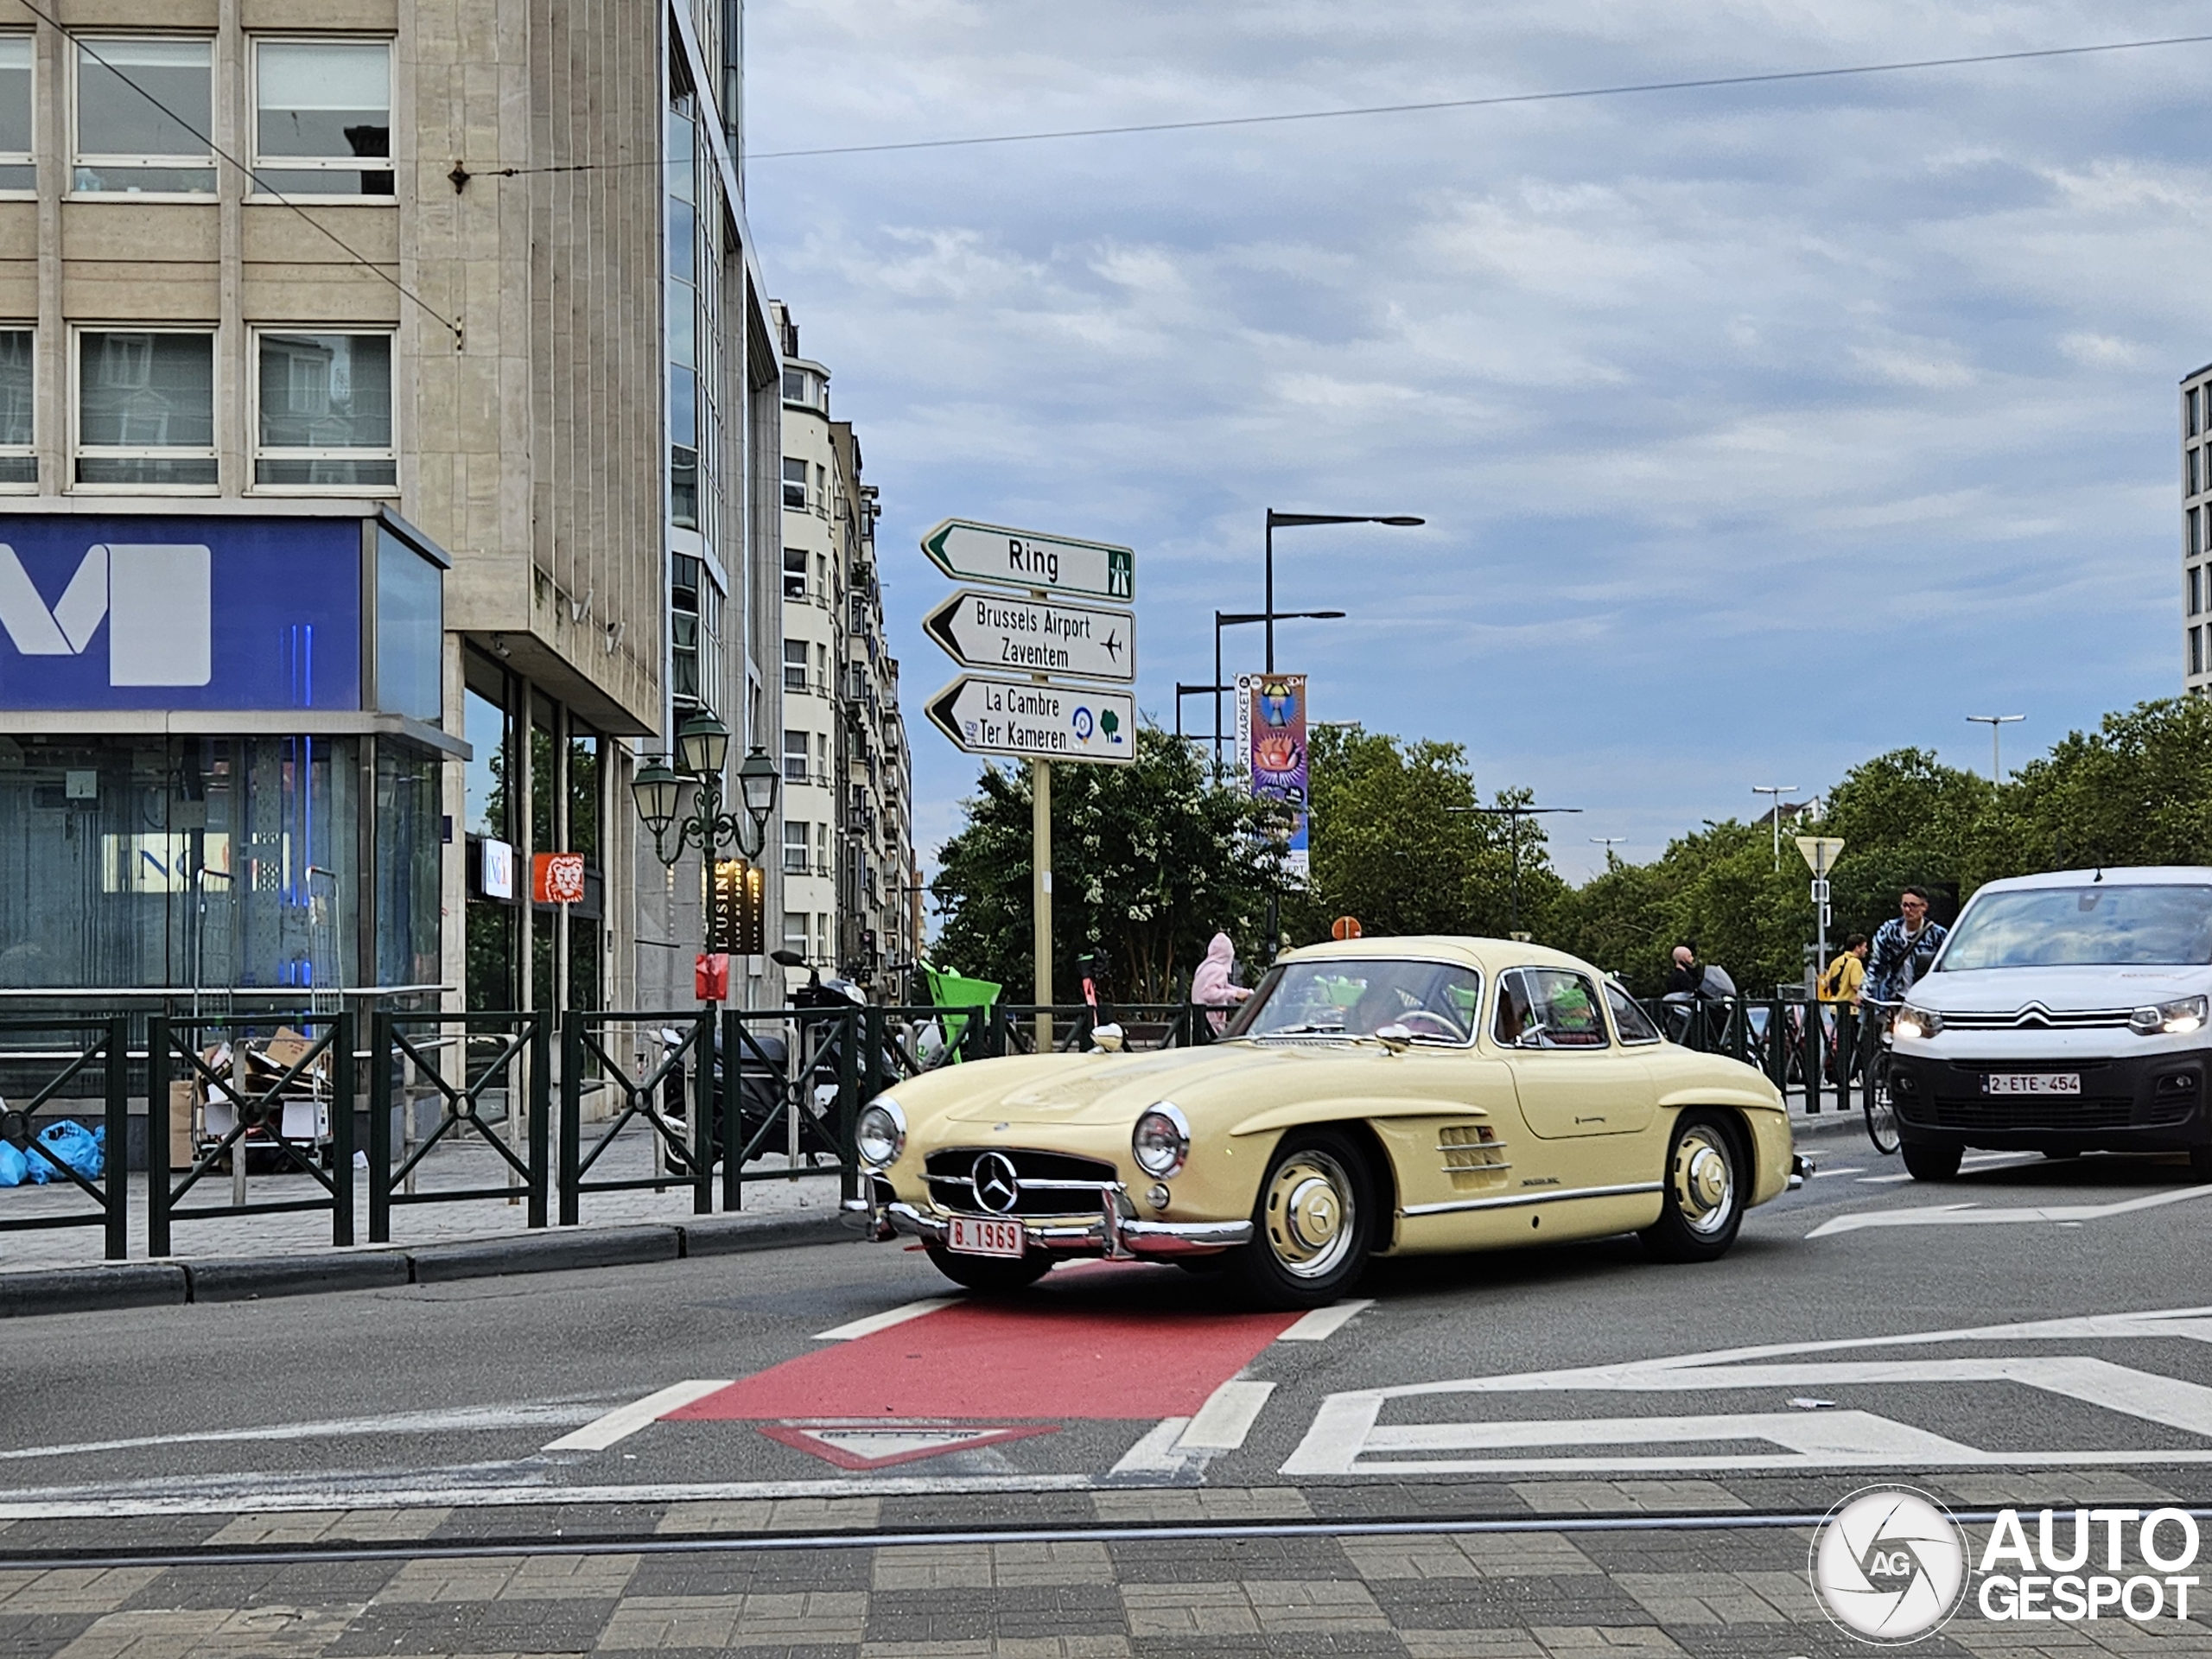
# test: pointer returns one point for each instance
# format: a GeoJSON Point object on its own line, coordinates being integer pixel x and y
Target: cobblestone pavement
{"type": "Point", "coordinates": [1683, 1588]}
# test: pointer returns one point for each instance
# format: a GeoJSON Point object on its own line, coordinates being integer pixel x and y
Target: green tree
{"type": "Point", "coordinates": [1149, 861]}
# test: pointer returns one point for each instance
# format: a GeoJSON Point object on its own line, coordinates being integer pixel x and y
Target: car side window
{"type": "Point", "coordinates": [1548, 1007]}
{"type": "Point", "coordinates": [1630, 1021]}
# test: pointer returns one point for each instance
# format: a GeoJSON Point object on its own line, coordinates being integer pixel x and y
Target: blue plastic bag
{"type": "Point", "coordinates": [73, 1145]}
{"type": "Point", "coordinates": [13, 1170]}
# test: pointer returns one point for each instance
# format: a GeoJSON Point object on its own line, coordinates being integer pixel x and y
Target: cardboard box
{"type": "Point", "coordinates": [182, 1099]}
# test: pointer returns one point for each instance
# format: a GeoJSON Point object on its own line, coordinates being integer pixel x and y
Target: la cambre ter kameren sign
{"type": "Point", "coordinates": [1038, 721]}
{"type": "Point", "coordinates": [1024, 558]}
{"type": "Point", "coordinates": [1035, 636]}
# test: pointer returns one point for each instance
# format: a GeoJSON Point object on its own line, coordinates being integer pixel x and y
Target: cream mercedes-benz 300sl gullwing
{"type": "Point", "coordinates": [1377, 1096]}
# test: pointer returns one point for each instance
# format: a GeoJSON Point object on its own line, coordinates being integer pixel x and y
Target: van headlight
{"type": "Point", "coordinates": [2169, 1019]}
{"type": "Point", "coordinates": [1161, 1141]}
{"type": "Point", "coordinates": [1918, 1022]}
{"type": "Point", "coordinates": [881, 1134]}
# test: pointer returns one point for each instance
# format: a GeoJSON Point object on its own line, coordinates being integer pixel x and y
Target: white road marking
{"type": "Point", "coordinates": [1969, 1215]}
{"type": "Point", "coordinates": [1226, 1418]}
{"type": "Point", "coordinates": [1972, 1160]}
{"type": "Point", "coordinates": [460, 1419]}
{"type": "Point", "coordinates": [1852, 1169]}
{"type": "Point", "coordinates": [1348, 1438]}
{"type": "Point", "coordinates": [1325, 1322]}
{"type": "Point", "coordinates": [1884, 1180]}
{"type": "Point", "coordinates": [623, 1421]}
{"type": "Point", "coordinates": [885, 1320]}
{"type": "Point", "coordinates": [1154, 1454]}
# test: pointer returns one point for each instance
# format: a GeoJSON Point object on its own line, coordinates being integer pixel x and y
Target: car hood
{"type": "Point", "coordinates": [1115, 1088]}
{"type": "Point", "coordinates": [2063, 990]}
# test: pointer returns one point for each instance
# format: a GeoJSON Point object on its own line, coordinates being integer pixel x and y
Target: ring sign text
{"type": "Point", "coordinates": [1024, 558]}
{"type": "Point", "coordinates": [1038, 721]}
{"type": "Point", "coordinates": [998, 631]}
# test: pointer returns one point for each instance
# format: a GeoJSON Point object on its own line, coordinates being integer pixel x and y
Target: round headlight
{"type": "Point", "coordinates": [1161, 1141]}
{"type": "Point", "coordinates": [881, 1134]}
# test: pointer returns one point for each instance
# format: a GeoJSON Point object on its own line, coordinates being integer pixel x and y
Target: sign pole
{"type": "Point", "coordinates": [1040, 894]}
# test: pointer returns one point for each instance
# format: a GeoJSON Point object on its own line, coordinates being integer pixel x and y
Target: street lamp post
{"type": "Point", "coordinates": [1996, 723]}
{"type": "Point", "coordinates": [1288, 519]}
{"type": "Point", "coordinates": [1513, 814]}
{"type": "Point", "coordinates": [1608, 843]}
{"type": "Point", "coordinates": [1777, 790]}
{"type": "Point", "coordinates": [701, 747]}
{"type": "Point", "coordinates": [1237, 618]}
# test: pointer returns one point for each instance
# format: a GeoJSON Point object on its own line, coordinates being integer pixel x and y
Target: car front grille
{"type": "Point", "coordinates": [2020, 1112]}
{"type": "Point", "coordinates": [2035, 1017]}
{"type": "Point", "coordinates": [1045, 1183]}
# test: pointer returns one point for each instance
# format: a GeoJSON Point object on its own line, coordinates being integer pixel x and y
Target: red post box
{"type": "Point", "coordinates": [710, 977]}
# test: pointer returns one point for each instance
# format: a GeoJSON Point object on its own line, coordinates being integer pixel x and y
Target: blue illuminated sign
{"type": "Point", "coordinates": [184, 612]}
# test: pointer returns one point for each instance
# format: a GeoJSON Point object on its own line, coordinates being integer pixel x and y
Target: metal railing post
{"type": "Point", "coordinates": [541, 1102]}
{"type": "Point", "coordinates": [157, 1134]}
{"type": "Point", "coordinates": [1815, 1052]}
{"type": "Point", "coordinates": [872, 1021]}
{"type": "Point", "coordinates": [382, 1056]}
{"type": "Point", "coordinates": [703, 1114]}
{"type": "Point", "coordinates": [342, 1129]}
{"type": "Point", "coordinates": [572, 1072]}
{"type": "Point", "coordinates": [117, 1190]}
{"type": "Point", "coordinates": [849, 1073]}
{"type": "Point", "coordinates": [730, 1117]}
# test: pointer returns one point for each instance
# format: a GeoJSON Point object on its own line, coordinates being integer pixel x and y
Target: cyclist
{"type": "Point", "coordinates": [1904, 947]}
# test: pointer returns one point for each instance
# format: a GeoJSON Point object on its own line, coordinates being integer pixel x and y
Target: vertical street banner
{"type": "Point", "coordinates": [737, 922]}
{"type": "Point", "coordinates": [1271, 750]}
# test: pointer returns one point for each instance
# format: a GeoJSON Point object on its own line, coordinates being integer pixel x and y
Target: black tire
{"type": "Point", "coordinates": [2062, 1152]}
{"type": "Point", "coordinates": [1926, 1161]}
{"type": "Point", "coordinates": [1882, 1122]}
{"type": "Point", "coordinates": [1312, 1224]}
{"type": "Point", "coordinates": [991, 1275]}
{"type": "Point", "coordinates": [1707, 1177]}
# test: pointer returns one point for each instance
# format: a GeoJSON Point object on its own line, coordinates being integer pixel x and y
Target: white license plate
{"type": "Point", "coordinates": [2032, 1083]}
{"type": "Point", "coordinates": [972, 1235]}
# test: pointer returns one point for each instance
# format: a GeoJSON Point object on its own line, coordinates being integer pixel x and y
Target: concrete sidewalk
{"type": "Point", "coordinates": [229, 1257]}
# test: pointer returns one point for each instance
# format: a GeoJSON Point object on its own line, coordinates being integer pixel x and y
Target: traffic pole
{"type": "Point", "coordinates": [1040, 894]}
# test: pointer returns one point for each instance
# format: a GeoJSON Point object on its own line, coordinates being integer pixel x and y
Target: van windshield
{"type": "Point", "coordinates": [1434, 1000]}
{"type": "Point", "coordinates": [2085, 926]}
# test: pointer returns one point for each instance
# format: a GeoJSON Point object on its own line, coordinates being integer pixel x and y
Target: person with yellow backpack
{"type": "Point", "coordinates": [1848, 973]}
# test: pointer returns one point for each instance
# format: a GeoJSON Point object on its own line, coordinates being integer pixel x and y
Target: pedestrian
{"type": "Point", "coordinates": [1686, 977]}
{"type": "Point", "coordinates": [1848, 973]}
{"type": "Point", "coordinates": [1903, 946]}
{"type": "Point", "coordinates": [1214, 985]}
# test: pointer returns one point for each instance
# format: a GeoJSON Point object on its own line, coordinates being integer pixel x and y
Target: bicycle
{"type": "Point", "coordinates": [1881, 1111]}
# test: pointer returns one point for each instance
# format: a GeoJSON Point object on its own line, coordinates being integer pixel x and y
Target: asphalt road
{"type": "Point", "coordinates": [452, 1395]}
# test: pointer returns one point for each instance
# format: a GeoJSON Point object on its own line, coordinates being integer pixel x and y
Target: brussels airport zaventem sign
{"type": "Point", "coordinates": [1051, 716]}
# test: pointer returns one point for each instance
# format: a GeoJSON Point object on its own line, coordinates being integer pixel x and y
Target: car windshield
{"type": "Point", "coordinates": [2095, 926]}
{"type": "Point", "coordinates": [1434, 1000]}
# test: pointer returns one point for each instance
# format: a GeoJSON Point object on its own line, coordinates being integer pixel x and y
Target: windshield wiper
{"type": "Point", "coordinates": [1307, 1031]}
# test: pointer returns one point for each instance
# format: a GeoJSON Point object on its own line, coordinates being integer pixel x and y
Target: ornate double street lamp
{"type": "Point", "coordinates": [702, 747]}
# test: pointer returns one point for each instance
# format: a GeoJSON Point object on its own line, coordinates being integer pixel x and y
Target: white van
{"type": "Point", "coordinates": [2065, 1014]}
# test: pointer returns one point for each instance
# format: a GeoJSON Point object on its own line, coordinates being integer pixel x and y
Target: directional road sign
{"type": "Point", "coordinates": [1024, 558]}
{"type": "Point", "coordinates": [1039, 636]}
{"type": "Point", "coordinates": [1037, 719]}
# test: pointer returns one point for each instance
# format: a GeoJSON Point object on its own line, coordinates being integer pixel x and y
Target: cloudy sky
{"type": "Point", "coordinates": [1757, 429]}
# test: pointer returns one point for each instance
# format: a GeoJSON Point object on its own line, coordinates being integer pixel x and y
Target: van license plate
{"type": "Point", "coordinates": [2032, 1083]}
{"type": "Point", "coordinates": [970, 1235]}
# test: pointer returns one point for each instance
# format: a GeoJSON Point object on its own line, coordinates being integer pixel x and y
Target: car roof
{"type": "Point", "coordinates": [2141, 875]}
{"type": "Point", "coordinates": [1489, 954]}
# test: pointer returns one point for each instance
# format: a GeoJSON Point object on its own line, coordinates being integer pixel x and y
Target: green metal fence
{"type": "Point", "coordinates": [509, 1055]}
{"type": "Point", "coordinates": [52, 1054]}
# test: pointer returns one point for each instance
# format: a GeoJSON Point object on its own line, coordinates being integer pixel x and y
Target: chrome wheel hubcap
{"type": "Point", "coordinates": [1705, 1182]}
{"type": "Point", "coordinates": [1310, 1213]}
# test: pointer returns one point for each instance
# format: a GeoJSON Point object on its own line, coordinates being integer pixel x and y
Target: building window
{"type": "Point", "coordinates": [794, 482]}
{"type": "Point", "coordinates": [822, 934]}
{"type": "Point", "coordinates": [795, 930]}
{"type": "Point", "coordinates": [325, 412]}
{"type": "Point", "coordinates": [2195, 471]}
{"type": "Point", "coordinates": [17, 171]}
{"type": "Point", "coordinates": [2196, 590]}
{"type": "Point", "coordinates": [795, 753]}
{"type": "Point", "coordinates": [2194, 402]}
{"type": "Point", "coordinates": [146, 408]}
{"type": "Point", "coordinates": [2195, 520]}
{"type": "Point", "coordinates": [796, 839]}
{"type": "Point", "coordinates": [143, 113]}
{"type": "Point", "coordinates": [794, 664]}
{"type": "Point", "coordinates": [794, 572]}
{"type": "Point", "coordinates": [18, 464]}
{"type": "Point", "coordinates": [2196, 650]}
{"type": "Point", "coordinates": [794, 385]}
{"type": "Point", "coordinates": [695, 632]}
{"type": "Point", "coordinates": [321, 109]}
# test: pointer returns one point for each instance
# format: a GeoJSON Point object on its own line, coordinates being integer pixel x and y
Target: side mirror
{"type": "Point", "coordinates": [1106, 1039]}
{"type": "Point", "coordinates": [1394, 1037]}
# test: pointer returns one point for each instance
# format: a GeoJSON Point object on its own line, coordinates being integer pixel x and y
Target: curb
{"type": "Point", "coordinates": [168, 1284]}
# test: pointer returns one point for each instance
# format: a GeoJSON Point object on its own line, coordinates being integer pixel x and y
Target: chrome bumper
{"type": "Point", "coordinates": [1115, 1232]}
{"type": "Point", "coordinates": [1800, 1168]}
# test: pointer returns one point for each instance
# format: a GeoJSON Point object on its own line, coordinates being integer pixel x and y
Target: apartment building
{"type": "Point", "coordinates": [356, 422]}
{"type": "Point", "coordinates": [847, 844]}
{"type": "Point", "coordinates": [2196, 528]}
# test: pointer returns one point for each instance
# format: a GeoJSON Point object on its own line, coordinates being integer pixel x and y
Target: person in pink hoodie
{"type": "Point", "coordinates": [1211, 987]}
